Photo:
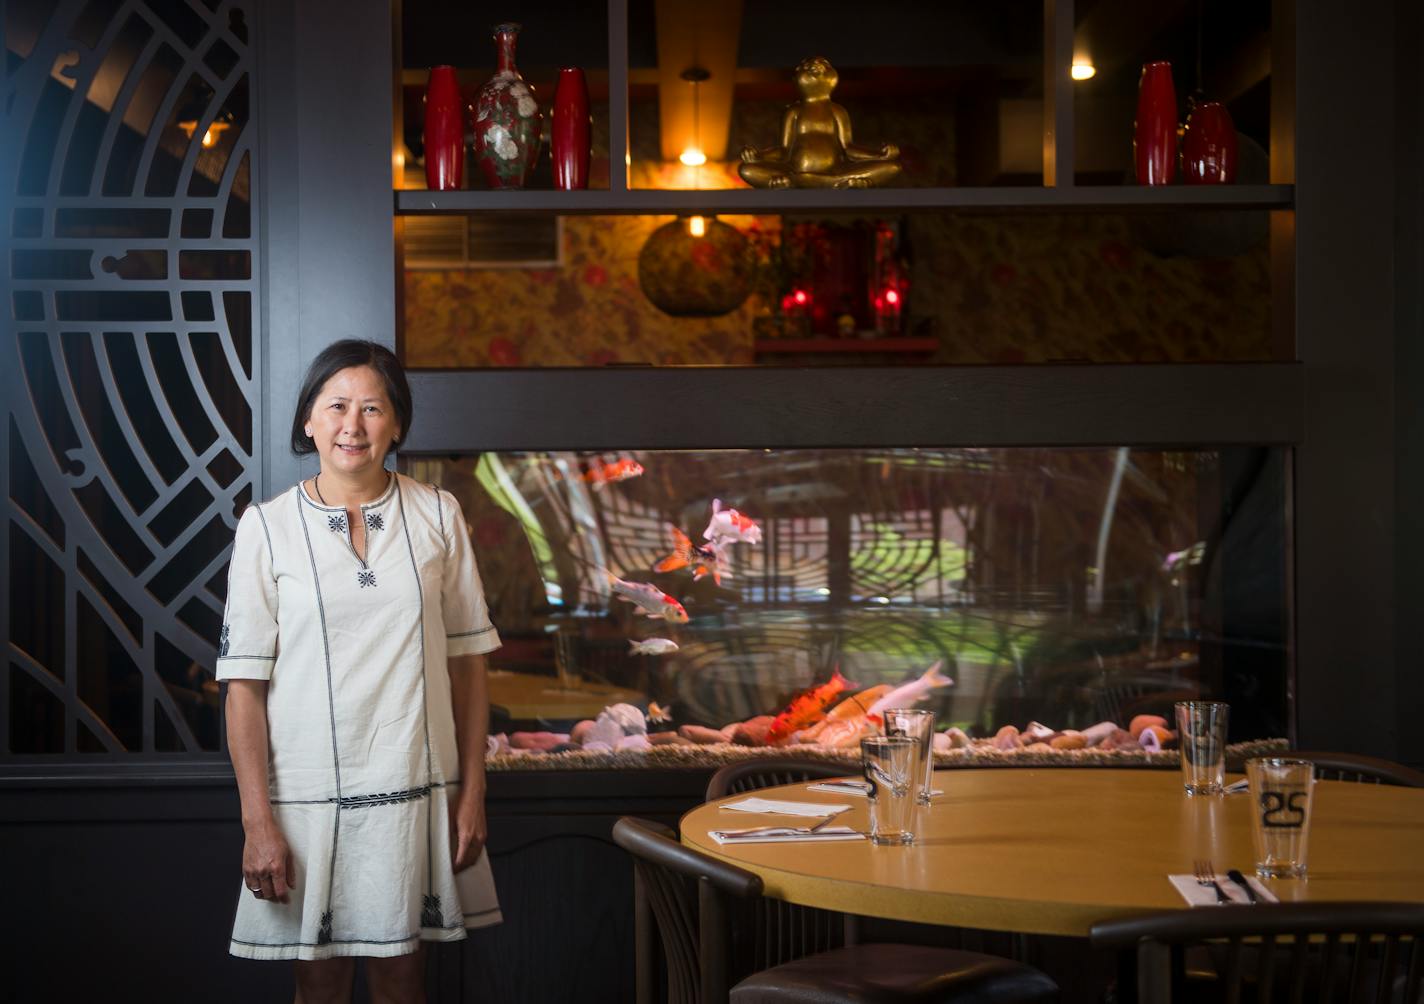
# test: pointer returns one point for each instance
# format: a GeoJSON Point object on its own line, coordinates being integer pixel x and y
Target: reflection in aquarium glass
{"type": "Point", "coordinates": [782, 596]}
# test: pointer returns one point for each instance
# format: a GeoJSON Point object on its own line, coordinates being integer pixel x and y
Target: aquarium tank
{"type": "Point", "coordinates": [1024, 595]}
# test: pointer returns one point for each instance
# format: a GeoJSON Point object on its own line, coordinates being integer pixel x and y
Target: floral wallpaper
{"type": "Point", "coordinates": [989, 288]}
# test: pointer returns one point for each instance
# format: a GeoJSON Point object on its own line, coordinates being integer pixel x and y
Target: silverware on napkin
{"type": "Point", "coordinates": [1235, 875]}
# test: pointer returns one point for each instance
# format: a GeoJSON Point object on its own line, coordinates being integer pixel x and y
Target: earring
{"type": "Point", "coordinates": [308, 431]}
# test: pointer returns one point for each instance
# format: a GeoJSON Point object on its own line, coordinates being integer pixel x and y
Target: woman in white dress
{"type": "Point", "coordinates": [353, 645]}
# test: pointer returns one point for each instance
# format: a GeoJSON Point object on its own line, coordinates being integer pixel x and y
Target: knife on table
{"type": "Point", "coordinates": [1236, 876]}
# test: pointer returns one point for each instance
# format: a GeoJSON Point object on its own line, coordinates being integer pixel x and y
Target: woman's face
{"type": "Point", "coordinates": [352, 422]}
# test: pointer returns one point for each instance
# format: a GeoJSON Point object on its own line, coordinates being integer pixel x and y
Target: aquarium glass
{"type": "Point", "coordinates": [1063, 586]}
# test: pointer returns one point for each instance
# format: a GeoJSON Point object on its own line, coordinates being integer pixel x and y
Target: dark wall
{"type": "Point", "coordinates": [126, 891]}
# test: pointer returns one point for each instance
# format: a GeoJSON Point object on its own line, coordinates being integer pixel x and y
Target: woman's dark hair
{"type": "Point", "coordinates": [343, 355]}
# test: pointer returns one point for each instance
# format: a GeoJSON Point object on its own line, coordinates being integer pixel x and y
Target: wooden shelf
{"type": "Point", "coordinates": [760, 200]}
{"type": "Point", "coordinates": [846, 346]}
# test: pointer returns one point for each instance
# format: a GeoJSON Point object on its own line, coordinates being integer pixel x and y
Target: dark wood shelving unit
{"type": "Point", "coordinates": [767, 201]}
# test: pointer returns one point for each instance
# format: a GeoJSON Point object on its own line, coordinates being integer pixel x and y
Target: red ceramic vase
{"type": "Point", "coordinates": [1154, 134]}
{"type": "Point", "coordinates": [444, 131]}
{"type": "Point", "coordinates": [569, 133]}
{"type": "Point", "coordinates": [1209, 152]}
{"type": "Point", "coordinates": [507, 119]}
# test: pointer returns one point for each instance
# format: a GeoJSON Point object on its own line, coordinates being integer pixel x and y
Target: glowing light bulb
{"type": "Point", "coordinates": [1083, 69]}
{"type": "Point", "coordinates": [209, 138]}
{"type": "Point", "coordinates": [696, 226]}
{"type": "Point", "coordinates": [800, 296]}
{"type": "Point", "coordinates": [693, 157]}
{"type": "Point", "coordinates": [891, 296]}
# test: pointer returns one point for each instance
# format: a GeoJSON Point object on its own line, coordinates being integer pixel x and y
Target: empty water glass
{"type": "Point", "coordinates": [890, 764]}
{"type": "Point", "coordinates": [1283, 791]}
{"type": "Point", "coordinates": [918, 724]}
{"type": "Point", "coordinates": [1201, 731]}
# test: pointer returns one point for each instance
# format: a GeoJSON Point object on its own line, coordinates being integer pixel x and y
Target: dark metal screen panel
{"type": "Point", "coordinates": [129, 363]}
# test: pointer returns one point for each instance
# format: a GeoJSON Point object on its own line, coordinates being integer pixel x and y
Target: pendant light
{"type": "Point", "coordinates": [692, 154]}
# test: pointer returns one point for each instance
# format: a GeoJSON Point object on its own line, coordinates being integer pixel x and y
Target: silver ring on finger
{"type": "Point", "coordinates": [256, 892]}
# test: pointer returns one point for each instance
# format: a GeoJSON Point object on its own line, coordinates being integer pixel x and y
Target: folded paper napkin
{"type": "Point", "coordinates": [850, 788]}
{"type": "Point", "coordinates": [1201, 895]}
{"type": "Point", "coordinates": [784, 834]}
{"type": "Point", "coordinates": [773, 806]}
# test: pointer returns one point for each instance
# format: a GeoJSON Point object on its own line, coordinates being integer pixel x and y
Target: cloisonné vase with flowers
{"type": "Point", "coordinates": [507, 119]}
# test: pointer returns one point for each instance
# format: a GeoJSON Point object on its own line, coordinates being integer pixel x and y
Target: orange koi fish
{"type": "Point", "coordinates": [805, 708]}
{"type": "Point", "coordinates": [703, 559]}
{"type": "Point", "coordinates": [618, 470]}
{"type": "Point", "coordinates": [851, 707]}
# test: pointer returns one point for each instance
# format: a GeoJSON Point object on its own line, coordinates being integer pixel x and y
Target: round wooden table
{"type": "Point", "coordinates": [1052, 851]}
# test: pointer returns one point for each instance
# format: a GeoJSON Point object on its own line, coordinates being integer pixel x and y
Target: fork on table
{"type": "Point", "coordinates": [1206, 876]}
{"type": "Point", "coordinates": [792, 830]}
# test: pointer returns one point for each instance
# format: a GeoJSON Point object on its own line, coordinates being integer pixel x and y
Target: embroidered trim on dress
{"type": "Point", "coordinates": [222, 642]}
{"type": "Point", "coordinates": [336, 524]}
{"type": "Point", "coordinates": [361, 801]}
{"type": "Point", "coordinates": [323, 936]}
{"type": "Point", "coordinates": [467, 634]}
{"type": "Point", "coordinates": [263, 658]}
{"type": "Point", "coordinates": [366, 577]}
{"type": "Point", "coordinates": [374, 521]}
{"type": "Point", "coordinates": [430, 912]}
{"type": "Point", "coordinates": [383, 798]}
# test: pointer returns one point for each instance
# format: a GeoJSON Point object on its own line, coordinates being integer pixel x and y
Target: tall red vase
{"type": "Point", "coordinates": [569, 133]}
{"type": "Point", "coordinates": [1154, 134]}
{"type": "Point", "coordinates": [1209, 151]}
{"type": "Point", "coordinates": [507, 119]}
{"type": "Point", "coordinates": [444, 131]}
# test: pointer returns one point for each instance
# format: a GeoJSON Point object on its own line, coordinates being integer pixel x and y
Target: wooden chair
{"type": "Point", "coordinates": [1365, 769]}
{"type": "Point", "coordinates": [1278, 951]}
{"type": "Point", "coordinates": [769, 772]}
{"type": "Point", "coordinates": [692, 898]}
{"type": "Point", "coordinates": [781, 931]}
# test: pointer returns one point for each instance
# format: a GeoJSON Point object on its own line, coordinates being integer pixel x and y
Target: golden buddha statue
{"type": "Point", "coordinates": [816, 150]}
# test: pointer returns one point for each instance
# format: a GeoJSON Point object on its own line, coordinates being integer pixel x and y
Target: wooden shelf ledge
{"type": "Point", "coordinates": [1170, 198]}
{"type": "Point", "coordinates": [770, 346]}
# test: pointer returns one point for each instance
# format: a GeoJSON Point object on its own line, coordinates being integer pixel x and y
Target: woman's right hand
{"type": "Point", "coordinates": [267, 863]}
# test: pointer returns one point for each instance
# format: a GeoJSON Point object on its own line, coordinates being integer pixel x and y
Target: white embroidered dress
{"type": "Point", "coordinates": [363, 761]}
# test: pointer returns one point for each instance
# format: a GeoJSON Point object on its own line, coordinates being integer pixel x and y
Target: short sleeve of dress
{"type": "Point", "coordinates": [247, 648]}
{"type": "Point", "coordinates": [468, 630]}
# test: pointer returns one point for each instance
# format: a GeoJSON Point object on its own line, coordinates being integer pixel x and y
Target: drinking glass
{"type": "Point", "coordinates": [1201, 731]}
{"type": "Point", "coordinates": [1282, 792]}
{"type": "Point", "coordinates": [918, 724]}
{"type": "Point", "coordinates": [890, 763]}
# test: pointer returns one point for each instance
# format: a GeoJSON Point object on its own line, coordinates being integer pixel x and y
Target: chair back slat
{"type": "Point", "coordinates": [768, 772]}
{"type": "Point", "coordinates": [1361, 769]}
{"type": "Point", "coordinates": [1266, 966]}
{"type": "Point", "coordinates": [1335, 952]}
{"type": "Point", "coordinates": [686, 892]}
{"type": "Point", "coordinates": [1387, 965]}
{"type": "Point", "coordinates": [772, 932]}
{"type": "Point", "coordinates": [1414, 981]}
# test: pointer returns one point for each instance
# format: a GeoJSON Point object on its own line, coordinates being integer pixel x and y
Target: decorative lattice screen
{"type": "Point", "coordinates": [127, 175]}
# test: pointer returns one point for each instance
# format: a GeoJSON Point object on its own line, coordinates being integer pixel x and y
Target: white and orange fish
{"type": "Point", "coordinates": [908, 693]}
{"type": "Point", "coordinates": [657, 714]}
{"type": "Point", "coordinates": [618, 470]}
{"type": "Point", "coordinates": [703, 559]}
{"type": "Point", "coordinates": [727, 526]}
{"type": "Point", "coordinates": [652, 646]}
{"type": "Point", "coordinates": [650, 599]}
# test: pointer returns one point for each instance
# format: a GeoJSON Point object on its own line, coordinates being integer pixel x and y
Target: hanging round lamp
{"type": "Point", "coordinates": [687, 275]}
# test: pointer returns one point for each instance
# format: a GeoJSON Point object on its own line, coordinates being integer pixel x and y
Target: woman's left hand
{"type": "Point", "coordinates": [467, 830]}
